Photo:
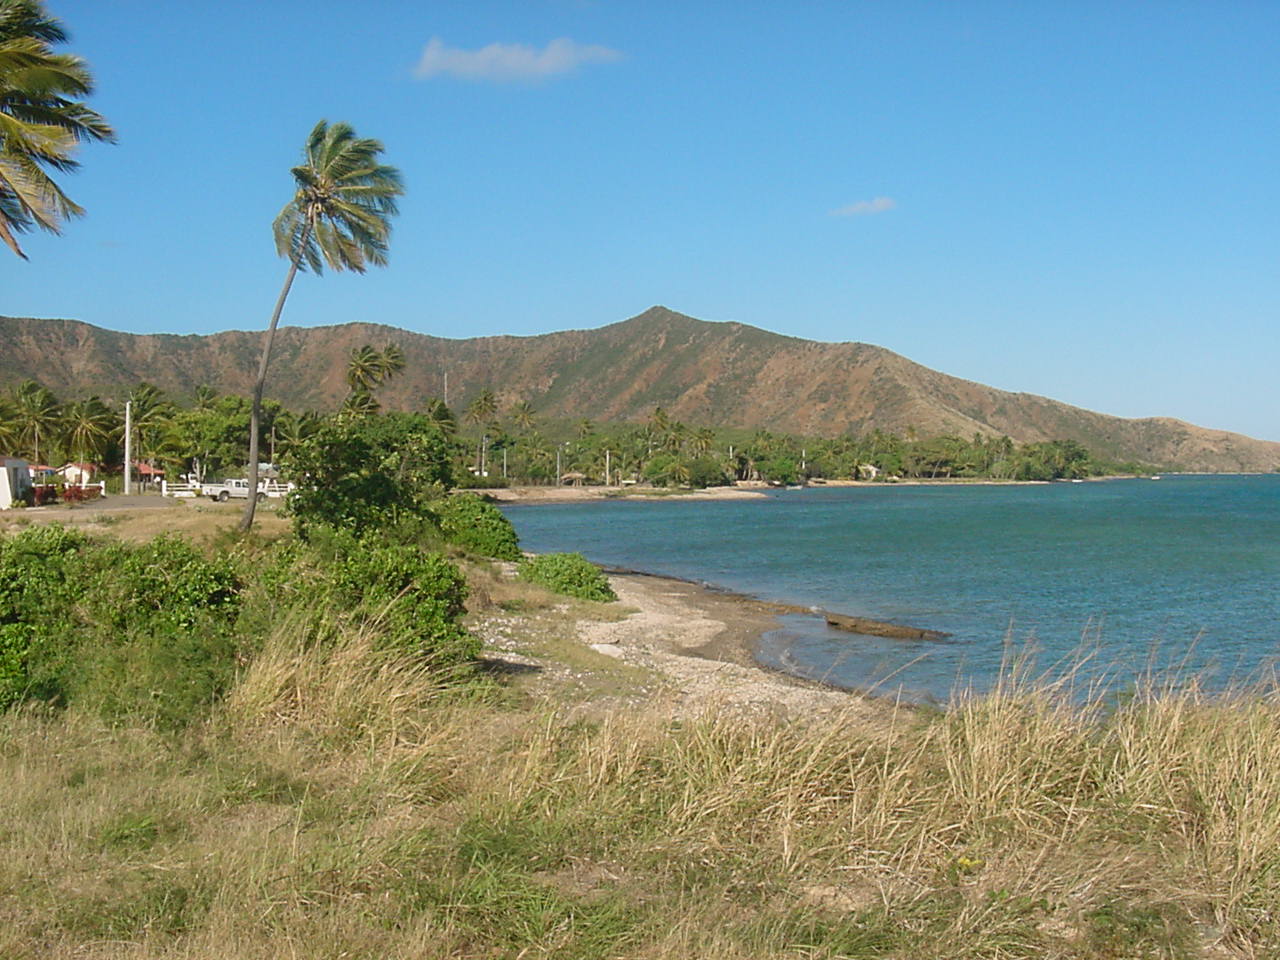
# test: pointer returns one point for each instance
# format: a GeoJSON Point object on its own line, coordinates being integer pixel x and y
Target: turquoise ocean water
{"type": "Point", "coordinates": [1181, 573]}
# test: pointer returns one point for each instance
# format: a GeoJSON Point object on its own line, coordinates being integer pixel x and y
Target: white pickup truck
{"type": "Point", "coordinates": [224, 490]}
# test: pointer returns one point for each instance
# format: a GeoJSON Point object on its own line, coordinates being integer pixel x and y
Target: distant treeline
{"type": "Point", "coordinates": [489, 444]}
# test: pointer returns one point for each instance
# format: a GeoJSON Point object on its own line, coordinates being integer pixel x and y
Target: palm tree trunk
{"type": "Point", "coordinates": [255, 412]}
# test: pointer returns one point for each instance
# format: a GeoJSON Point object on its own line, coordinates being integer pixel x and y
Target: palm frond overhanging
{"type": "Point", "coordinates": [41, 121]}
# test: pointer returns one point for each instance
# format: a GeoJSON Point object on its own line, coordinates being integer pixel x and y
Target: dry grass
{"type": "Point", "coordinates": [350, 802]}
{"type": "Point", "coordinates": [201, 520]}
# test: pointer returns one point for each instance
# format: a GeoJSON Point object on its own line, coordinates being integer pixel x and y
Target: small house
{"type": "Point", "coordinates": [147, 474]}
{"type": "Point", "coordinates": [77, 474]}
{"type": "Point", "coordinates": [15, 482]}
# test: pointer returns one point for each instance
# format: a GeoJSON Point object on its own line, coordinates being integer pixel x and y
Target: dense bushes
{"type": "Point", "coordinates": [361, 473]}
{"type": "Point", "coordinates": [40, 574]}
{"type": "Point", "coordinates": [569, 573]}
{"type": "Point", "coordinates": [415, 599]}
{"type": "Point", "coordinates": [157, 631]}
{"type": "Point", "coordinates": [478, 526]}
{"type": "Point", "coordinates": [149, 626]}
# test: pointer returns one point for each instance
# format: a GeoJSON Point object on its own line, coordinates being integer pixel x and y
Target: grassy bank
{"type": "Point", "coordinates": [346, 797]}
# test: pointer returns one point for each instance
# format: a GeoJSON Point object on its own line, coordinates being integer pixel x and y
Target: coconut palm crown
{"type": "Point", "coordinates": [41, 120]}
{"type": "Point", "coordinates": [340, 213]}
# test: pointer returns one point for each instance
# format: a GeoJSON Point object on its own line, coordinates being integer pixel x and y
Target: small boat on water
{"type": "Point", "coordinates": [1156, 477]}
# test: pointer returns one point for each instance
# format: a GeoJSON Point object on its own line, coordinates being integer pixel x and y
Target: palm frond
{"type": "Point", "coordinates": [41, 122]}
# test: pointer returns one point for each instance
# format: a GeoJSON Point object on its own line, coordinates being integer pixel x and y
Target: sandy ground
{"type": "Point", "coordinates": [701, 642]}
{"type": "Point", "coordinates": [578, 494]}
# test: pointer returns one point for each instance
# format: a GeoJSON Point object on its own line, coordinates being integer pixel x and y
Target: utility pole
{"type": "Point", "coordinates": [557, 466]}
{"type": "Point", "coordinates": [128, 447]}
{"type": "Point", "coordinates": [504, 463]}
{"type": "Point", "coordinates": [446, 388]}
{"type": "Point", "coordinates": [484, 455]}
{"type": "Point", "coordinates": [606, 467]}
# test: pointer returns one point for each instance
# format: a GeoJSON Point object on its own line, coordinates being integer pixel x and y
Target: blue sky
{"type": "Point", "coordinates": [1074, 199]}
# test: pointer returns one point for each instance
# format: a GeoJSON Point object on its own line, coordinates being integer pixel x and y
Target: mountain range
{"type": "Point", "coordinates": [704, 373]}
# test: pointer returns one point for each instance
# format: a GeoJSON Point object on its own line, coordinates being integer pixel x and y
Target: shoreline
{"type": "Point", "coordinates": [701, 640]}
{"type": "Point", "coordinates": [747, 491]}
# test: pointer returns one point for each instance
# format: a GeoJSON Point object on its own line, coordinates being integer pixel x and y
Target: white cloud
{"type": "Point", "coordinates": [510, 61]}
{"type": "Point", "coordinates": [865, 208]}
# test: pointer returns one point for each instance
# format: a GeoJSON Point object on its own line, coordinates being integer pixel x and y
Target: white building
{"type": "Point", "coordinates": [15, 482]}
{"type": "Point", "coordinates": [77, 473]}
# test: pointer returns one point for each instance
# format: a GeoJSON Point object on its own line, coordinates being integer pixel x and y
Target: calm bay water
{"type": "Point", "coordinates": [1184, 570]}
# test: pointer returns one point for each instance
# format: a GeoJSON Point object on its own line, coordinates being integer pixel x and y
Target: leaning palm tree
{"type": "Point", "coordinates": [204, 397]}
{"type": "Point", "coordinates": [438, 413]}
{"type": "Point", "coordinates": [151, 416]}
{"type": "Point", "coordinates": [359, 403]}
{"type": "Point", "coordinates": [41, 121]}
{"type": "Point", "coordinates": [341, 215]}
{"type": "Point", "coordinates": [8, 424]}
{"type": "Point", "coordinates": [702, 440]}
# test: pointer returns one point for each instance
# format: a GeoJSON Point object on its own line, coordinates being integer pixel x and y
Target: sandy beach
{"type": "Point", "coordinates": [580, 494]}
{"type": "Point", "coordinates": [702, 641]}
{"type": "Point", "coordinates": [744, 491]}
{"type": "Point", "coordinates": [698, 642]}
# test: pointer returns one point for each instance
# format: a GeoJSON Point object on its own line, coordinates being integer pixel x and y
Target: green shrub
{"type": "Point", "coordinates": [417, 599]}
{"type": "Point", "coordinates": [705, 472]}
{"type": "Point", "coordinates": [361, 473]}
{"type": "Point", "coordinates": [571, 574]}
{"type": "Point", "coordinates": [41, 571]}
{"type": "Point", "coordinates": [477, 525]}
{"type": "Point", "coordinates": [165, 584]}
{"type": "Point", "coordinates": [144, 631]}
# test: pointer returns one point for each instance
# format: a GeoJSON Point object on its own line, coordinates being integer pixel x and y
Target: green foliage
{"type": "Point", "coordinates": [417, 598]}
{"type": "Point", "coordinates": [779, 470]}
{"type": "Point", "coordinates": [216, 435]}
{"type": "Point", "coordinates": [138, 630]}
{"type": "Point", "coordinates": [660, 469]}
{"type": "Point", "coordinates": [705, 472]}
{"type": "Point", "coordinates": [413, 599]}
{"type": "Point", "coordinates": [571, 574]}
{"type": "Point", "coordinates": [359, 473]}
{"type": "Point", "coordinates": [165, 678]}
{"type": "Point", "coordinates": [43, 120]}
{"type": "Point", "coordinates": [166, 583]}
{"type": "Point", "coordinates": [40, 570]}
{"type": "Point", "coordinates": [477, 525]}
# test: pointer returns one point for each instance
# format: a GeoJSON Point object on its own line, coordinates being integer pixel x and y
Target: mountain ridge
{"type": "Point", "coordinates": [703, 372]}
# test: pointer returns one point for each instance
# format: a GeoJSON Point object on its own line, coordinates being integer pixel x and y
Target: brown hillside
{"type": "Point", "coordinates": [703, 373]}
